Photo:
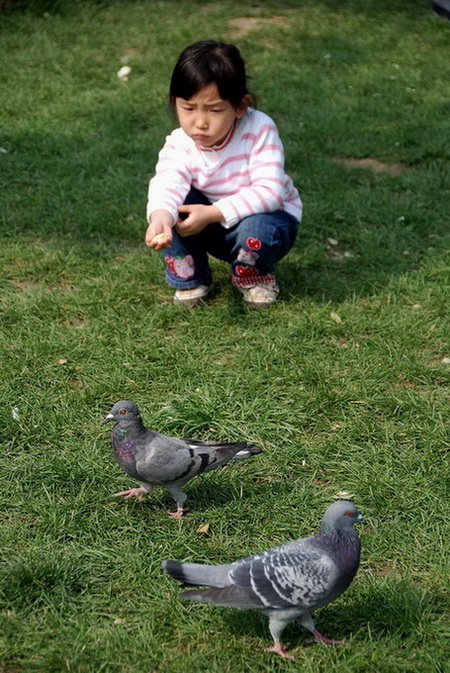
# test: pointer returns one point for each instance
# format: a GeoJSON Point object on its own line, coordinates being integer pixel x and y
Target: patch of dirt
{"type": "Point", "coordinates": [400, 385]}
{"type": "Point", "coordinates": [79, 321]}
{"type": "Point", "coordinates": [21, 284]}
{"type": "Point", "coordinates": [373, 164]}
{"type": "Point", "coordinates": [37, 284]}
{"type": "Point", "coordinates": [322, 482]}
{"type": "Point", "coordinates": [439, 362]}
{"type": "Point", "coordinates": [243, 25]}
{"type": "Point", "coordinates": [386, 570]}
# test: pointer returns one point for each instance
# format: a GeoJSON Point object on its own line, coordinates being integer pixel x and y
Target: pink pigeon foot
{"type": "Point", "coordinates": [279, 649]}
{"type": "Point", "coordinates": [319, 638]}
{"type": "Point", "coordinates": [130, 493]}
{"type": "Point", "coordinates": [179, 513]}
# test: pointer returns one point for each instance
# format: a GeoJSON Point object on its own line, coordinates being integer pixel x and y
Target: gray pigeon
{"type": "Point", "coordinates": [287, 582]}
{"type": "Point", "coordinates": [155, 459]}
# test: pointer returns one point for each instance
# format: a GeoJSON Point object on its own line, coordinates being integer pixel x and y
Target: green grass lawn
{"type": "Point", "coordinates": [344, 383]}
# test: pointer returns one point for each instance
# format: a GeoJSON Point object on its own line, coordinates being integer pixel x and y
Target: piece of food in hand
{"type": "Point", "coordinates": [161, 238]}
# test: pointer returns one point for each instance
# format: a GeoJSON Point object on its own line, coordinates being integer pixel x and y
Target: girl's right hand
{"type": "Point", "coordinates": [159, 231]}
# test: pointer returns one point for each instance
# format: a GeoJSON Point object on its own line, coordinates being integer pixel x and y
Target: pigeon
{"type": "Point", "coordinates": [155, 459]}
{"type": "Point", "coordinates": [287, 582]}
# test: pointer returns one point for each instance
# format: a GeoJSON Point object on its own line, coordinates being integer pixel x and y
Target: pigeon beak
{"type": "Point", "coordinates": [107, 419]}
{"type": "Point", "coordinates": [360, 519]}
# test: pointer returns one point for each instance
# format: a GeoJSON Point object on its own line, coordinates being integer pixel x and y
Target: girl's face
{"type": "Point", "coordinates": [206, 117]}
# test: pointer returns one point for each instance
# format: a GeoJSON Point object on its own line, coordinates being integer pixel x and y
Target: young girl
{"type": "Point", "coordinates": [220, 186]}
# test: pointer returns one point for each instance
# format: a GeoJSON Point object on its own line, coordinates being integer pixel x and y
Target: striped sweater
{"type": "Point", "coordinates": [242, 177]}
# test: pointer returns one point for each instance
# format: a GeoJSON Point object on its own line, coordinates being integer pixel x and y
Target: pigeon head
{"type": "Point", "coordinates": [123, 411]}
{"type": "Point", "coordinates": [341, 516]}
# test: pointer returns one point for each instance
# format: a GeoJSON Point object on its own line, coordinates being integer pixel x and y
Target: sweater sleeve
{"type": "Point", "coordinates": [172, 180]}
{"type": "Point", "coordinates": [266, 191]}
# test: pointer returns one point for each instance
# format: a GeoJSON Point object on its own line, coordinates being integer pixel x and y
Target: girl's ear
{"type": "Point", "coordinates": [243, 105]}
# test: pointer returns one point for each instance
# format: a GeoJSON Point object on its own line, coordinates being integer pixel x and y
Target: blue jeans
{"type": "Point", "coordinates": [252, 247]}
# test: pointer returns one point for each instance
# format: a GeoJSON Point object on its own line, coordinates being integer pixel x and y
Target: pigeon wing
{"type": "Point", "coordinates": [168, 460]}
{"type": "Point", "coordinates": [293, 575]}
{"type": "Point", "coordinates": [165, 460]}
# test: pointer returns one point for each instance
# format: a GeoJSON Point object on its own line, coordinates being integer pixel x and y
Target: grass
{"type": "Point", "coordinates": [344, 382]}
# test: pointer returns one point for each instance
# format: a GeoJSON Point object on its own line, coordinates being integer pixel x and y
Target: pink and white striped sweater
{"type": "Point", "coordinates": [242, 177]}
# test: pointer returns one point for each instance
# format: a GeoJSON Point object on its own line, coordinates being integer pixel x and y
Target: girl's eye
{"type": "Point", "coordinates": [217, 110]}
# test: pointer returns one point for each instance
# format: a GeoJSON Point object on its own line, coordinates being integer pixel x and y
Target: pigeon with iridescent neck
{"type": "Point", "coordinates": [155, 459]}
{"type": "Point", "coordinates": [288, 582]}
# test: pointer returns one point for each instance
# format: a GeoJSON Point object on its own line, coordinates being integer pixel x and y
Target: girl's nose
{"type": "Point", "coordinates": [201, 122]}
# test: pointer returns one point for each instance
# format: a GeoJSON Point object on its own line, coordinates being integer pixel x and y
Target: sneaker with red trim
{"type": "Point", "coordinates": [260, 296]}
{"type": "Point", "coordinates": [191, 297]}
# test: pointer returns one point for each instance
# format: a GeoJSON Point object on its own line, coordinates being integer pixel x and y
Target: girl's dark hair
{"type": "Point", "coordinates": [209, 62]}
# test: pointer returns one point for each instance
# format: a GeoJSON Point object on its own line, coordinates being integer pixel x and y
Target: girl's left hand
{"type": "Point", "coordinates": [198, 217]}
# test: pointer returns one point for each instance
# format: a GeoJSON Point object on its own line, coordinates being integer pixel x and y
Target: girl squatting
{"type": "Point", "coordinates": [220, 187]}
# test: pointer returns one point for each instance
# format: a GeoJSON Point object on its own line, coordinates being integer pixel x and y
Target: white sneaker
{"type": "Point", "coordinates": [191, 297]}
{"type": "Point", "coordinates": [260, 296]}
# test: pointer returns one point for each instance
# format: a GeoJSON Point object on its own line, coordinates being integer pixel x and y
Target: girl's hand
{"type": "Point", "coordinates": [198, 217]}
{"type": "Point", "coordinates": [159, 231]}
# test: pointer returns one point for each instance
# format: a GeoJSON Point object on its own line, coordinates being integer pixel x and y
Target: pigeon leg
{"type": "Point", "coordinates": [307, 622]}
{"type": "Point", "coordinates": [279, 649]}
{"type": "Point", "coordinates": [181, 511]}
{"type": "Point", "coordinates": [277, 622]}
{"type": "Point", "coordinates": [318, 637]}
{"type": "Point", "coordinates": [130, 493]}
{"type": "Point", "coordinates": [180, 498]}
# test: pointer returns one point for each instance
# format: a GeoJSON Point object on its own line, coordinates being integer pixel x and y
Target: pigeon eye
{"type": "Point", "coordinates": [122, 412]}
{"type": "Point", "coordinates": [348, 513]}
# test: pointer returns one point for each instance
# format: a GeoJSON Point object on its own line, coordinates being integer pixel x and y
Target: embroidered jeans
{"type": "Point", "coordinates": [252, 247]}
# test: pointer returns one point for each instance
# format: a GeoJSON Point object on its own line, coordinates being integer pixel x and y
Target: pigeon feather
{"type": "Point", "coordinates": [287, 582]}
{"type": "Point", "coordinates": [155, 459]}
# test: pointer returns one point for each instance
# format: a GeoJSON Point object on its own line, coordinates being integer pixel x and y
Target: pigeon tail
{"type": "Point", "coordinates": [228, 597]}
{"type": "Point", "coordinates": [198, 574]}
{"type": "Point", "coordinates": [249, 450]}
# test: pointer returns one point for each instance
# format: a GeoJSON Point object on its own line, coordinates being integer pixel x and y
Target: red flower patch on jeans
{"type": "Point", "coordinates": [183, 267]}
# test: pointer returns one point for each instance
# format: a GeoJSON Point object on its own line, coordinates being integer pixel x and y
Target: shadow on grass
{"type": "Point", "coordinates": [90, 209]}
{"type": "Point", "coordinates": [391, 609]}
{"type": "Point", "coordinates": [88, 191]}
{"type": "Point", "coordinates": [203, 497]}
